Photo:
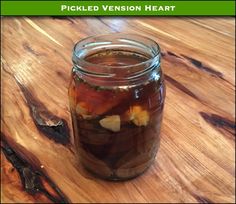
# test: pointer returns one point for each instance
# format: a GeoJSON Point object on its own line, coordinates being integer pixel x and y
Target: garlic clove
{"type": "Point", "coordinates": [138, 116]}
{"type": "Point", "coordinates": [111, 123]}
{"type": "Point", "coordinates": [141, 119]}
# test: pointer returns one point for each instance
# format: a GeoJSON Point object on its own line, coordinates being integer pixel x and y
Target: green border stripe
{"type": "Point", "coordinates": [97, 8]}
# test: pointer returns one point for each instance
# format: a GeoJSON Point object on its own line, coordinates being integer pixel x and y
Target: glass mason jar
{"type": "Point", "coordinates": [116, 97]}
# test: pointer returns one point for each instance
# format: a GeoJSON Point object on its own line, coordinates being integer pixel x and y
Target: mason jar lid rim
{"type": "Point", "coordinates": [121, 35]}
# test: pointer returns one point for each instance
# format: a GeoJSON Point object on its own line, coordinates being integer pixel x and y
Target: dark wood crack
{"type": "Point", "coordinates": [173, 54]}
{"type": "Point", "coordinates": [53, 127]}
{"type": "Point", "coordinates": [32, 178]}
{"type": "Point", "coordinates": [29, 49]}
{"type": "Point", "coordinates": [201, 199]}
{"type": "Point", "coordinates": [180, 86]}
{"type": "Point", "coordinates": [219, 122]}
{"type": "Point", "coordinates": [163, 54]}
{"type": "Point", "coordinates": [198, 64]}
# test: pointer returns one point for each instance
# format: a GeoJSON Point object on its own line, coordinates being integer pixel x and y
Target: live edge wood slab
{"type": "Point", "coordinates": [196, 159]}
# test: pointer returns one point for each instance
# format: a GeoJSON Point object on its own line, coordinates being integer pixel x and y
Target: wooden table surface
{"type": "Point", "coordinates": [196, 159]}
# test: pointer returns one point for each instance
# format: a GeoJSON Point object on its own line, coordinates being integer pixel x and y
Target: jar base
{"type": "Point", "coordinates": [114, 177]}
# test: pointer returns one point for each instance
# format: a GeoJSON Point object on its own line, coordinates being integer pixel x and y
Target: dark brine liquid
{"type": "Point", "coordinates": [117, 129]}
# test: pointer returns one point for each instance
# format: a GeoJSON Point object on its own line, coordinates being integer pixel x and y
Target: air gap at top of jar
{"type": "Point", "coordinates": [116, 97]}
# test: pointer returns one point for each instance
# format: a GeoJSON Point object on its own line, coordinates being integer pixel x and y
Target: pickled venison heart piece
{"type": "Point", "coordinates": [138, 115]}
{"type": "Point", "coordinates": [94, 164]}
{"type": "Point", "coordinates": [82, 110]}
{"type": "Point", "coordinates": [98, 102]}
{"type": "Point", "coordinates": [111, 123]}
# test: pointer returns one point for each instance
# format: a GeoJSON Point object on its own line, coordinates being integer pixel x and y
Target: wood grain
{"type": "Point", "coordinates": [196, 159]}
